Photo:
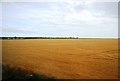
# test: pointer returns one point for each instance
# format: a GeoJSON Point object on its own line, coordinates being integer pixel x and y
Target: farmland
{"type": "Point", "coordinates": [64, 58]}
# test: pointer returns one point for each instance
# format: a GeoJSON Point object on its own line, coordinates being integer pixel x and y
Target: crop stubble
{"type": "Point", "coordinates": [64, 58]}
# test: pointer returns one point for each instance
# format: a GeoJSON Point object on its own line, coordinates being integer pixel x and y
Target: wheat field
{"type": "Point", "coordinates": [64, 58]}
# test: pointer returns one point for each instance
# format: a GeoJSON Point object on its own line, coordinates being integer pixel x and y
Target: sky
{"type": "Point", "coordinates": [65, 18]}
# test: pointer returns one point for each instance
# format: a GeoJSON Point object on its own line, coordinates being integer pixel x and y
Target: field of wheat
{"type": "Point", "coordinates": [64, 58]}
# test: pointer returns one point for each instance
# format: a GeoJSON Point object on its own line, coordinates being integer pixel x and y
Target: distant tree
{"type": "Point", "coordinates": [15, 37]}
{"type": "Point", "coordinates": [70, 37]}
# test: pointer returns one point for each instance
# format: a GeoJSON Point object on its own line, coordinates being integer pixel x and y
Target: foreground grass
{"type": "Point", "coordinates": [10, 74]}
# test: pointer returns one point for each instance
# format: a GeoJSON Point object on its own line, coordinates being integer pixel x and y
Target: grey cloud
{"type": "Point", "coordinates": [100, 9]}
{"type": "Point", "coordinates": [107, 9]}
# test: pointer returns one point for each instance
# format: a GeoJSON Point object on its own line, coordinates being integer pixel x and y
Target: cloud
{"type": "Point", "coordinates": [88, 1]}
{"type": "Point", "coordinates": [65, 18]}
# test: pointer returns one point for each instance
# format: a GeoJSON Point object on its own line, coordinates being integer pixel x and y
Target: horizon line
{"type": "Point", "coordinates": [61, 37]}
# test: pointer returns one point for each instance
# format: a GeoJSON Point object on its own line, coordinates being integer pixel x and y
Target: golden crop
{"type": "Point", "coordinates": [64, 58]}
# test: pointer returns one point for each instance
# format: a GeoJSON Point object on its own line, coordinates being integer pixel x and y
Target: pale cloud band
{"type": "Point", "coordinates": [78, 18]}
{"type": "Point", "coordinates": [59, 0]}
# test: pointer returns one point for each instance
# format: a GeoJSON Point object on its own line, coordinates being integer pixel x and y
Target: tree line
{"type": "Point", "coordinates": [38, 38]}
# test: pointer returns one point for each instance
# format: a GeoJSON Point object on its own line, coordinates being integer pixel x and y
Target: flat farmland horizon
{"type": "Point", "coordinates": [64, 58]}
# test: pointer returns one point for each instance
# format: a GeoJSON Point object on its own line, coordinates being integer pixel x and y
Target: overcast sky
{"type": "Point", "coordinates": [65, 18]}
